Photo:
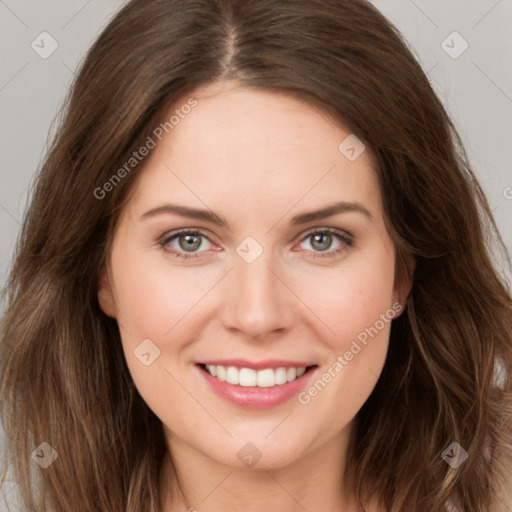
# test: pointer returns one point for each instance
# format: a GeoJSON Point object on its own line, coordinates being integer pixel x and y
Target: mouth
{"type": "Point", "coordinates": [250, 377]}
{"type": "Point", "coordinates": [256, 385]}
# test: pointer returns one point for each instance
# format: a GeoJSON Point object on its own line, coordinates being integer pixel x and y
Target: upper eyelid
{"type": "Point", "coordinates": [330, 230]}
{"type": "Point", "coordinates": [184, 231]}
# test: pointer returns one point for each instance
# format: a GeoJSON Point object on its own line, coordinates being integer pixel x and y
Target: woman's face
{"type": "Point", "coordinates": [258, 289]}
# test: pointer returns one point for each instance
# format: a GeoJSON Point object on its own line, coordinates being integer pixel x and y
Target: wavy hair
{"type": "Point", "coordinates": [448, 374]}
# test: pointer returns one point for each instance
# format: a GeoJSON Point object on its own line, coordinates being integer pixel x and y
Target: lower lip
{"type": "Point", "coordinates": [254, 397]}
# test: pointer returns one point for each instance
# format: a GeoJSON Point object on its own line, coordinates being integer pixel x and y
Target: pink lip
{"type": "Point", "coordinates": [253, 397]}
{"type": "Point", "coordinates": [256, 365]}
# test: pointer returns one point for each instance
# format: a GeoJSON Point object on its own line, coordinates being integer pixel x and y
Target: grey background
{"type": "Point", "coordinates": [476, 87]}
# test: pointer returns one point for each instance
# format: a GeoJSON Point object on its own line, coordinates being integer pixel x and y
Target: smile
{"type": "Point", "coordinates": [246, 377]}
{"type": "Point", "coordinates": [265, 385]}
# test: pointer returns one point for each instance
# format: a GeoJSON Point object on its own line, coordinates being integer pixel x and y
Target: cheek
{"type": "Point", "coordinates": [156, 302]}
{"type": "Point", "coordinates": [356, 304]}
{"type": "Point", "coordinates": [151, 315]}
{"type": "Point", "coordinates": [352, 298]}
{"type": "Point", "coordinates": [153, 298]}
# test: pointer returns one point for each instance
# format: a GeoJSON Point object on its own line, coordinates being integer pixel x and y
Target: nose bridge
{"type": "Point", "coordinates": [258, 301]}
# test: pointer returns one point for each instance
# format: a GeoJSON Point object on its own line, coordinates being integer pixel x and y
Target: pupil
{"type": "Point", "coordinates": [192, 242]}
{"type": "Point", "coordinates": [322, 237]}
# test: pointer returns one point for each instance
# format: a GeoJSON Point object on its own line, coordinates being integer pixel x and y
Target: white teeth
{"type": "Point", "coordinates": [291, 373]}
{"type": "Point", "coordinates": [281, 376]}
{"type": "Point", "coordinates": [266, 378]}
{"type": "Point", "coordinates": [248, 377]}
{"type": "Point", "coordinates": [232, 375]}
{"type": "Point", "coordinates": [221, 373]}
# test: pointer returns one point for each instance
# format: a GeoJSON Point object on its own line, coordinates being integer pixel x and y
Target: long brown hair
{"type": "Point", "coordinates": [64, 377]}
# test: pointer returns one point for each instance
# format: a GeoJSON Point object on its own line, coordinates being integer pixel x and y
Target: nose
{"type": "Point", "coordinates": [257, 300]}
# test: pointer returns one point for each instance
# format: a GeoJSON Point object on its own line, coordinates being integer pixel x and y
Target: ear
{"type": "Point", "coordinates": [404, 277]}
{"type": "Point", "coordinates": [105, 295]}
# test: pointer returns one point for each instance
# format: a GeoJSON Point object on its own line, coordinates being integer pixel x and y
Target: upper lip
{"type": "Point", "coordinates": [256, 365]}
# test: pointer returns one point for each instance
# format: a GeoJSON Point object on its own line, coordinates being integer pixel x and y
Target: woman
{"type": "Point", "coordinates": [254, 275]}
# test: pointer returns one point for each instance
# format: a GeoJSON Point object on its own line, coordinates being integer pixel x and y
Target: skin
{"type": "Point", "coordinates": [257, 159]}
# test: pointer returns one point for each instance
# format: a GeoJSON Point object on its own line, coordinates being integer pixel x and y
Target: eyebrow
{"type": "Point", "coordinates": [185, 211]}
{"type": "Point", "coordinates": [212, 218]}
{"type": "Point", "coordinates": [329, 211]}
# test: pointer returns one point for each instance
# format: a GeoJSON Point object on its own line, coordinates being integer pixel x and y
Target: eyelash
{"type": "Point", "coordinates": [346, 239]}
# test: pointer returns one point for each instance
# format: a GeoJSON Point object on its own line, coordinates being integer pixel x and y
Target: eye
{"type": "Point", "coordinates": [322, 240]}
{"type": "Point", "coordinates": [185, 243]}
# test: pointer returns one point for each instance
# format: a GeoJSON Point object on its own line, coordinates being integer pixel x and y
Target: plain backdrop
{"type": "Point", "coordinates": [463, 45]}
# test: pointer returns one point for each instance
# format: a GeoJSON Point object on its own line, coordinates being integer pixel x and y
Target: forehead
{"type": "Point", "coordinates": [251, 149]}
